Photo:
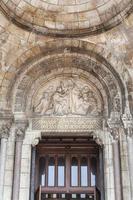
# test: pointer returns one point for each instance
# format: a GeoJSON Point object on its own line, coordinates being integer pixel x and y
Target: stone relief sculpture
{"type": "Point", "coordinates": [67, 98]}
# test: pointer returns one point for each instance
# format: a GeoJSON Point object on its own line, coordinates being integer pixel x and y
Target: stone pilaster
{"type": "Point", "coordinates": [128, 125]}
{"type": "Point", "coordinates": [20, 134]}
{"type": "Point", "coordinates": [4, 134]}
{"type": "Point", "coordinates": [114, 125]}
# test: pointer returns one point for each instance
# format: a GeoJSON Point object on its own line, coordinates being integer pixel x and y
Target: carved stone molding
{"type": "Point", "coordinates": [66, 124]}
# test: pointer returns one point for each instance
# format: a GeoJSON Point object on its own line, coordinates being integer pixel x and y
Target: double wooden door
{"type": "Point", "coordinates": [67, 169]}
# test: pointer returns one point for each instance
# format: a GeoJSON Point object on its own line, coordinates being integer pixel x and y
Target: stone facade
{"type": "Point", "coordinates": [66, 68]}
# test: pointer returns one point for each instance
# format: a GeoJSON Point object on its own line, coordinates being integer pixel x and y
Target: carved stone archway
{"type": "Point", "coordinates": [69, 74]}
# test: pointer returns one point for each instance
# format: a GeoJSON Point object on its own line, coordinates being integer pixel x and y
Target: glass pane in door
{"type": "Point", "coordinates": [74, 172]}
{"type": "Point", "coordinates": [42, 174]}
{"type": "Point", "coordinates": [51, 172]}
{"type": "Point", "coordinates": [61, 171]}
{"type": "Point", "coordinates": [84, 172]}
{"type": "Point", "coordinates": [93, 171]}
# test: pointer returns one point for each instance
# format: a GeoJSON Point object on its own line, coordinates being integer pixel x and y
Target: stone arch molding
{"type": "Point", "coordinates": [77, 61]}
{"type": "Point", "coordinates": [66, 18]}
{"type": "Point", "coordinates": [108, 87]}
{"type": "Point", "coordinates": [73, 57]}
{"type": "Point", "coordinates": [34, 55]}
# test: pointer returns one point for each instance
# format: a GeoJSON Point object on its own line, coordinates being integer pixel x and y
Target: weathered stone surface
{"type": "Point", "coordinates": [64, 18]}
{"type": "Point", "coordinates": [30, 61]}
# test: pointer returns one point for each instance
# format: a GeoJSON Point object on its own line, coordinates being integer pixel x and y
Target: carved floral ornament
{"type": "Point", "coordinates": [5, 130]}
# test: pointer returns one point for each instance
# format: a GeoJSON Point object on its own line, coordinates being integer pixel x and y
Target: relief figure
{"type": "Point", "coordinates": [67, 98]}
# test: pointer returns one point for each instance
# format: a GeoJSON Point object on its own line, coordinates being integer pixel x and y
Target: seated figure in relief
{"type": "Point", "coordinates": [44, 105]}
{"type": "Point", "coordinates": [59, 100]}
{"type": "Point", "coordinates": [87, 103]}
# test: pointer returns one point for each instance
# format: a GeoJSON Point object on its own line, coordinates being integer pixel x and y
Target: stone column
{"type": "Point", "coordinates": [4, 131]}
{"type": "Point", "coordinates": [115, 125]}
{"type": "Point", "coordinates": [20, 133]}
{"type": "Point", "coordinates": [101, 159]}
{"type": "Point", "coordinates": [117, 168]}
{"type": "Point", "coordinates": [33, 158]}
{"type": "Point", "coordinates": [128, 125]}
{"type": "Point", "coordinates": [100, 142]}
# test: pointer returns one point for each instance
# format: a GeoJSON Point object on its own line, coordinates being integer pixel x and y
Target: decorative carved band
{"type": "Point", "coordinates": [72, 124]}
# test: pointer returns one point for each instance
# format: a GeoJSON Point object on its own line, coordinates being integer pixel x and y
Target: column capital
{"type": "Point", "coordinates": [127, 120]}
{"type": "Point", "coordinates": [20, 128]}
{"type": "Point", "coordinates": [6, 120]}
{"type": "Point", "coordinates": [114, 124]}
{"type": "Point", "coordinates": [5, 130]}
